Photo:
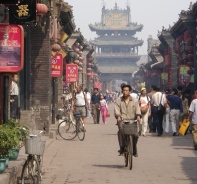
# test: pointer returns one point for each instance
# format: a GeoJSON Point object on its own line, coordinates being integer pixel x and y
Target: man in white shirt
{"type": "Point", "coordinates": [157, 99]}
{"type": "Point", "coordinates": [193, 114]}
{"type": "Point", "coordinates": [14, 92]}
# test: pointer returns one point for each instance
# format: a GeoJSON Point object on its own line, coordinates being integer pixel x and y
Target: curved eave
{"type": "Point", "coordinates": [148, 65]}
{"type": "Point", "coordinates": [157, 65]}
{"type": "Point", "coordinates": [115, 56]}
{"type": "Point", "coordinates": [96, 43]}
{"type": "Point", "coordinates": [103, 28]}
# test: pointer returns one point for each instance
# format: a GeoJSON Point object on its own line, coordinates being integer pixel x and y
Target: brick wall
{"type": "Point", "coordinates": [40, 81]}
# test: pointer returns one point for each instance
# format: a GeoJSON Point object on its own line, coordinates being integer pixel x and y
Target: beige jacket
{"type": "Point", "coordinates": [127, 111]}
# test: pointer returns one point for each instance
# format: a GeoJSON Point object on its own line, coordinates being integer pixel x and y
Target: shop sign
{"type": "Point", "coordinates": [56, 65]}
{"type": "Point", "coordinates": [11, 48]}
{"type": "Point", "coordinates": [184, 77]}
{"type": "Point", "coordinates": [23, 13]}
{"type": "Point", "coordinates": [71, 73]}
{"type": "Point", "coordinates": [164, 78]}
{"type": "Point", "coordinates": [9, 2]}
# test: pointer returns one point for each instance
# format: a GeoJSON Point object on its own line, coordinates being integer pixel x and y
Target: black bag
{"type": "Point", "coordinates": [161, 107]}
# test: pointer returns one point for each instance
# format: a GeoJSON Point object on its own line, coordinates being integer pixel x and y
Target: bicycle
{"type": "Point", "coordinates": [69, 129]}
{"type": "Point", "coordinates": [129, 129]}
{"type": "Point", "coordinates": [31, 171]}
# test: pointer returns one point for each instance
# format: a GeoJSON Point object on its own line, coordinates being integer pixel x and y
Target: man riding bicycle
{"type": "Point", "coordinates": [127, 108]}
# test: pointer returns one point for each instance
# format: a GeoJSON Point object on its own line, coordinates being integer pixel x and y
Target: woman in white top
{"type": "Point", "coordinates": [144, 102]}
{"type": "Point", "coordinates": [88, 95]}
{"type": "Point", "coordinates": [103, 108]}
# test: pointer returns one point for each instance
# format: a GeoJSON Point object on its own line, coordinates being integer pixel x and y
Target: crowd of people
{"type": "Point", "coordinates": [160, 112]}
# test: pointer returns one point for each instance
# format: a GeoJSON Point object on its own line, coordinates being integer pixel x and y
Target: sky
{"type": "Point", "coordinates": [153, 14]}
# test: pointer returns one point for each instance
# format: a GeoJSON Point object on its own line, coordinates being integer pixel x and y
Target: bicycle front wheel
{"type": "Point", "coordinates": [67, 130]}
{"type": "Point", "coordinates": [130, 152]}
{"type": "Point", "coordinates": [80, 130]}
{"type": "Point", "coordinates": [31, 172]}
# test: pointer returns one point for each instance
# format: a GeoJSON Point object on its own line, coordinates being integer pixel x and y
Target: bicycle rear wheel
{"type": "Point", "coordinates": [67, 130]}
{"type": "Point", "coordinates": [130, 152]}
{"type": "Point", "coordinates": [80, 130]}
{"type": "Point", "coordinates": [31, 171]}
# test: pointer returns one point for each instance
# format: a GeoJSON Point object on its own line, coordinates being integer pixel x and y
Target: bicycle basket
{"type": "Point", "coordinates": [130, 129]}
{"type": "Point", "coordinates": [34, 146]}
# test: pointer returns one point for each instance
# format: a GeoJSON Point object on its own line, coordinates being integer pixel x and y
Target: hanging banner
{"type": "Point", "coordinates": [11, 48]}
{"type": "Point", "coordinates": [184, 77]}
{"type": "Point", "coordinates": [71, 73]}
{"type": "Point", "coordinates": [23, 13]}
{"type": "Point", "coordinates": [164, 78]}
{"type": "Point", "coordinates": [56, 65]}
{"type": "Point", "coordinates": [9, 2]}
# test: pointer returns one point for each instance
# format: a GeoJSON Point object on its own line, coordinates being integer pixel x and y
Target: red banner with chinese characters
{"type": "Point", "coordinates": [56, 65]}
{"type": "Point", "coordinates": [98, 85]}
{"type": "Point", "coordinates": [11, 48]}
{"type": "Point", "coordinates": [71, 73]}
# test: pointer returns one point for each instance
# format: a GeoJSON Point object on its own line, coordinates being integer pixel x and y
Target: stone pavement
{"type": "Point", "coordinates": [95, 160]}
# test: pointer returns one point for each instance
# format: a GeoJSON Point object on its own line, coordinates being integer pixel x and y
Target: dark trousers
{"type": "Point", "coordinates": [96, 113]}
{"type": "Point", "coordinates": [158, 119]}
{"type": "Point", "coordinates": [122, 139]}
{"type": "Point", "coordinates": [152, 126]}
{"type": "Point", "coordinates": [14, 107]}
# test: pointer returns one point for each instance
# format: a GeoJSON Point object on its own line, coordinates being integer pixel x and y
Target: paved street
{"type": "Point", "coordinates": [161, 160]}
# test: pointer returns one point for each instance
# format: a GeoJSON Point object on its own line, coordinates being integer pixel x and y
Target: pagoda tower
{"type": "Point", "coordinates": [116, 47]}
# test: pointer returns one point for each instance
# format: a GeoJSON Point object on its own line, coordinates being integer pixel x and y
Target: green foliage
{"type": "Point", "coordinates": [11, 134]}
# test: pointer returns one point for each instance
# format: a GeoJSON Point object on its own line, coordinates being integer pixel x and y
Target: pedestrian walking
{"type": "Point", "coordinates": [88, 95]}
{"type": "Point", "coordinates": [193, 114]}
{"type": "Point", "coordinates": [95, 102]}
{"type": "Point", "coordinates": [176, 109]}
{"type": "Point", "coordinates": [166, 117]}
{"type": "Point", "coordinates": [103, 108]}
{"type": "Point", "coordinates": [158, 102]}
{"type": "Point", "coordinates": [185, 108]}
{"type": "Point", "coordinates": [14, 92]}
{"type": "Point", "coordinates": [144, 102]}
{"type": "Point", "coordinates": [152, 127]}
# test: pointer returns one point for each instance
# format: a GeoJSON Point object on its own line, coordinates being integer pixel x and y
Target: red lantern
{"type": "Point", "coordinates": [181, 60]}
{"type": "Point", "coordinates": [56, 47]}
{"type": "Point", "coordinates": [154, 75]}
{"type": "Point", "coordinates": [80, 58]}
{"type": "Point", "coordinates": [89, 64]}
{"type": "Point", "coordinates": [76, 44]}
{"type": "Point", "coordinates": [189, 49]}
{"type": "Point", "coordinates": [80, 63]}
{"type": "Point", "coordinates": [190, 56]}
{"type": "Point", "coordinates": [89, 69]}
{"type": "Point", "coordinates": [81, 47]}
{"type": "Point", "coordinates": [189, 41]}
{"type": "Point", "coordinates": [88, 74]}
{"type": "Point", "coordinates": [190, 72]}
{"type": "Point", "coordinates": [77, 50]}
{"type": "Point", "coordinates": [80, 53]}
{"type": "Point", "coordinates": [76, 61]}
{"type": "Point", "coordinates": [41, 9]}
{"type": "Point", "coordinates": [190, 64]}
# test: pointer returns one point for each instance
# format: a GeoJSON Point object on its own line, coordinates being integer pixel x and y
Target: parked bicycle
{"type": "Point", "coordinates": [69, 129]}
{"type": "Point", "coordinates": [31, 172]}
{"type": "Point", "coordinates": [129, 129]}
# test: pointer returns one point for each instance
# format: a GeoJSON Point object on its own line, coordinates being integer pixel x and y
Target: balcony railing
{"type": "Point", "coordinates": [116, 54]}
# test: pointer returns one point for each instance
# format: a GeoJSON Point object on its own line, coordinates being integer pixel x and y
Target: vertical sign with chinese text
{"type": "Point", "coordinates": [23, 13]}
{"type": "Point", "coordinates": [11, 48]}
{"type": "Point", "coordinates": [184, 77]}
{"type": "Point", "coordinates": [56, 65]}
{"type": "Point", "coordinates": [164, 78]}
{"type": "Point", "coordinates": [71, 73]}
